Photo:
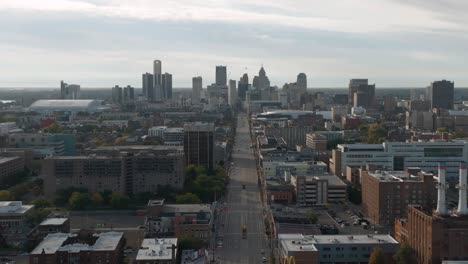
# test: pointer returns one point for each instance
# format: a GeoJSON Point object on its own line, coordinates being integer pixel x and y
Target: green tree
{"type": "Point", "coordinates": [54, 128]}
{"type": "Point", "coordinates": [188, 198]}
{"type": "Point", "coordinates": [37, 215]}
{"type": "Point", "coordinates": [377, 256]}
{"type": "Point", "coordinates": [312, 217]}
{"type": "Point", "coordinates": [119, 201]}
{"type": "Point", "coordinates": [404, 255]}
{"type": "Point", "coordinates": [79, 201]}
{"type": "Point", "coordinates": [42, 203]}
{"type": "Point", "coordinates": [5, 195]}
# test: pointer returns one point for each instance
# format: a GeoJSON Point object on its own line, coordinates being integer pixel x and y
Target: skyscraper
{"type": "Point", "coordinates": [148, 86]}
{"type": "Point", "coordinates": [128, 93]}
{"type": "Point", "coordinates": [166, 86]}
{"type": "Point", "coordinates": [157, 77]}
{"type": "Point", "coordinates": [243, 86]}
{"type": "Point", "coordinates": [197, 86]}
{"type": "Point", "coordinates": [262, 83]}
{"type": "Point", "coordinates": [440, 94]}
{"type": "Point", "coordinates": [360, 88]}
{"type": "Point", "coordinates": [117, 94]}
{"type": "Point", "coordinates": [199, 144]}
{"type": "Point", "coordinates": [302, 82]}
{"type": "Point", "coordinates": [232, 93]}
{"type": "Point", "coordinates": [69, 91]}
{"type": "Point", "coordinates": [221, 75]}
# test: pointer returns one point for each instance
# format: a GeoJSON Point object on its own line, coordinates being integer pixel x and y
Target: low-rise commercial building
{"type": "Point", "coordinates": [179, 220]}
{"type": "Point", "coordinates": [70, 248]}
{"type": "Point", "coordinates": [277, 168]}
{"type": "Point", "coordinates": [157, 251]}
{"type": "Point", "coordinates": [334, 248]}
{"type": "Point", "coordinates": [387, 194]}
{"type": "Point", "coordinates": [318, 189]}
{"type": "Point", "coordinates": [12, 220]}
{"type": "Point", "coordinates": [49, 226]}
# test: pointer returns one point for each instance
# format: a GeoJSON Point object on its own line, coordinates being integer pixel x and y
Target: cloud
{"type": "Point", "coordinates": [427, 56]}
{"type": "Point", "coordinates": [333, 15]}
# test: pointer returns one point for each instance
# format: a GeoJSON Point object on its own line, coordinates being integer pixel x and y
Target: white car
{"type": "Point", "coordinates": [264, 259]}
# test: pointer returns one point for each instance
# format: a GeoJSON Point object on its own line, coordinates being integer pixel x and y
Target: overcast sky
{"type": "Point", "coordinates": [100, 43]}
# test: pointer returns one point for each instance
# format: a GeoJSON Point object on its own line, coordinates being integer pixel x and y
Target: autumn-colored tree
{"type": "Point", "coordinates": [377, 256]}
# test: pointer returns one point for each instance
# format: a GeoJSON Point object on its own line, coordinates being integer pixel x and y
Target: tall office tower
{"type": "Point", "coordinates": [148, 86]}
{"type": "Point", "coordinates": [167, 86]}
{"type": "Point", "coordinates": [221, 76]}
{"type": "Point", "coordinates": [232, 93]}
{"type": "Point", "coordinates": [199, 144]}
{"type": "Point", "coordinates": [243, 86]}
{"type": "Point", "coordinates": [69, 91]}
{"type": "Point", "coordinates": [302, 82]}
{"type": "Point", "coordinates": [440, 93]}
{"type": "Point", "coordinates": [365, 90]}
{"type": "Point", "coordinates": [63, 86]}
{"type": "Point", "coordinates": [129, 93]}
{"type": "Point", "coordinates": [262, 83]}
{"type": "Point", "coordinates": [117, 94]}
{"type": "Point", "coordinates": [197, 86]}
{"type": "Point", "coordinates": [157, 78]}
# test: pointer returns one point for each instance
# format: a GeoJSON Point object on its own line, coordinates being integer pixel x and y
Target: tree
{"type": "Point", "coordinates": [312, 217]}
{"type": "Point", "coordinates": [119, 201]}
{"type": "Point", "coordinates": [354, 194]}
{"type": "Point", "coordinates": [97, 199]}
{"type": "Point", "coordinates": [5, 195]}
{"type": "Point", "coordinates": [188, 198]}
{"type": "Point", "coordinates": [404, 255]}
{"type": "Point", "coordinates": [376, 133]}
{"type": "Point", "coordinates": [37, 215]}
{"type": "Point", "coordinates": [377, 256]}
{"type": "Point", "coordinates": [79, 201]}
{"type": "Point", "coordinates": [41, 203]}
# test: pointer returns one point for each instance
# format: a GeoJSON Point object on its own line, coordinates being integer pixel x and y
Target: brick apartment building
{"type": "Point", "coordinates": [387, 194]}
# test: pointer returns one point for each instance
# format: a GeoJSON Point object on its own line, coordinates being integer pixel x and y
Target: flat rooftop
{"type": "Point", "coordinates": [299, 242]}
{"type": "Point", "coordinates": [14, 207]}
{"type": "Point", "coordinates": [107, 241]}
{"type": "Point", "coordinates": [156, 249]}
{"type": "Point", "coordinates": [186, 208]}
{"type": "Point", "coordinates": [394, 176]}
{"type": "Point", "coordinates": [53, 221]}
{"type": "Point", "coordinates": [7, 159]}
{"type": "Point", "coordinates": [332, 179]}
{"type": "Point", "coordinates": [51, 243]}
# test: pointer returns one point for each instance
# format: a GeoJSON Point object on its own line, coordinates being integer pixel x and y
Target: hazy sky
{"type": "Point", "coordinates": [100, 43]}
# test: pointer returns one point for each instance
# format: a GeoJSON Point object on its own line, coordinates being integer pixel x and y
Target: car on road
{"type": "Point", "coordinates": [264, 260]}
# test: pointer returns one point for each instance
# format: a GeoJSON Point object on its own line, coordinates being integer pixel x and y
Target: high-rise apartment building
{"type": "Point", "coordinates": [232, 93]}
{"type": "Point", "coordinates": [167, 86]}
{"type": "Point", "coordinates": [157, 80]}
{"type": "Point", "coordinates": [199, 144]}
{"type": "Point", "coordinates": [387, 194]}
{"type": "Point", "coordinates": [132, 169]}
{"type": "Point", "coordinates": [440, 94]}
{"type": "Point", "coordinates": [197, 86]}
{"type": "Point", "coordinates": [69, 91]}
{"type": "Point", "coordinates": [148, 86]}
{"type": "Point", "coordinates": [243, 86]}
{"type": "Point", "coordinates": [221, 75]}
{"type": "Point", "coordinates": [361, 93]}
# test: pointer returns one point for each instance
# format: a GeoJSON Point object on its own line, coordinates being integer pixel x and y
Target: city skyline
{"type": "Point", "coordinates": [103, 43]}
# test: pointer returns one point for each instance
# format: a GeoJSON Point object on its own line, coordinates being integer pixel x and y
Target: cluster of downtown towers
{"type": "Point", "coordinates": [157, 86]}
